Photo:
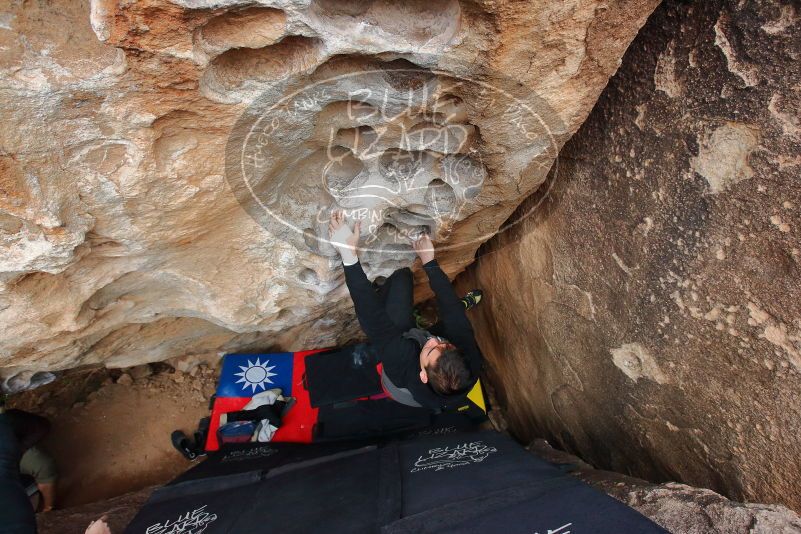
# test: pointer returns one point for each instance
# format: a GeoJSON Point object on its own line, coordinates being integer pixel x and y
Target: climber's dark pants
{"type": "Point", "coordinates": [397, 294]}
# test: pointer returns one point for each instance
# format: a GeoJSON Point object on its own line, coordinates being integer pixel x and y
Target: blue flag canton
{"type": "Point", "coordinates": [244, 375]}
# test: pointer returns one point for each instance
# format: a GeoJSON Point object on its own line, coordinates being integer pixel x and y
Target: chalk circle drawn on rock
{"type": "Point", "coordinates": [399, 147]}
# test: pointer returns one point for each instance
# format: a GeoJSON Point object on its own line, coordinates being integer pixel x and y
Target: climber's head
{"type": "Point", "coordinates": [443, 366]}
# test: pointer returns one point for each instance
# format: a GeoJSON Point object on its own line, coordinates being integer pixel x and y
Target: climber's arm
{"type": "Point", "coordinates": [451, 311]}
{"type": "Point", "coordinates": [453, 318]}
{"type": "Point", "coordinates": [371, 314]}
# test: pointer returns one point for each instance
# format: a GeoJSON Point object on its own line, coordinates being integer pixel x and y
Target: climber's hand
{"type": "Point", "coordinates": [340, 233]}
{"type": "Point", "coordinates": [424, 248]}
{"type": "Point", "coordinates": [343, 238]}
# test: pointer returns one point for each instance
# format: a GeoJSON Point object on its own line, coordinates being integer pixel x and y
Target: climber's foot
{"type": "Point", "coordinates": [419, 320]}
{"type": "Point", "coordinates": [472, 299]}
{"type": "Point", "coordinates": [181, 442]}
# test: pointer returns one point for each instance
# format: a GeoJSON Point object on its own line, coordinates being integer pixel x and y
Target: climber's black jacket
{"type": "Point", "coordinates": [399, 355]}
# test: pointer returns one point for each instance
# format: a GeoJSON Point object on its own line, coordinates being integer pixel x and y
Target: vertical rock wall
{"type": "Point", "coordinates": [126, 235]}
{"type": "Point", "coordinates": [648, 316]}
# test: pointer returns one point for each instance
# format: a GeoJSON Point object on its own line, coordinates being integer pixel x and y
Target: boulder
{"type": "Point", "coordinates": [647, 315]}
{"type": "Point", "coordinates": [168, 166]}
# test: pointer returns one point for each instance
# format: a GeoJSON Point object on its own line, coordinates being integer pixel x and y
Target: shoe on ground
{"type": "Point", "coordinates": [182, 444]}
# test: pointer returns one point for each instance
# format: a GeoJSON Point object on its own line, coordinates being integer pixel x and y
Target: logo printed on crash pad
{"type": "Point", "coordinates": [248, 454]}
{"type": "Point", "coordinates": [193, 522]}
{"type": "Point", "coordinates": [450, 457]}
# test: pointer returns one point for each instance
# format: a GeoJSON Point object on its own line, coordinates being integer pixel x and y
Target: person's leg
{"type": "Point", "coordinates": [469, 301]}
{"type": "Point", "coordinates": [43, 470]}
{"type": "Point", "coordinates": [398, 295]}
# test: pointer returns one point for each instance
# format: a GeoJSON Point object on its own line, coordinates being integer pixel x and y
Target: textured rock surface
{"type": "Point", "coordinates": [679, 508]}
{"type": "Point", "coordinates": [121, 240]}
{"type": "Point", "coordinates": [649, 317]}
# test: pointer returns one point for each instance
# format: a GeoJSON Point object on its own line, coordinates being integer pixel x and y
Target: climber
{"type": "Point", "coordinates": [434, 369]}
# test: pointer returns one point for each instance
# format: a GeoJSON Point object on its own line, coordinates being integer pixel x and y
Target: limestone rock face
{"type": "Point", "coordinates": [166, 165]}
{"type": "Point", "coordinates": [677, 507]}
{"type": "Point", "coordinates": [648, 316]}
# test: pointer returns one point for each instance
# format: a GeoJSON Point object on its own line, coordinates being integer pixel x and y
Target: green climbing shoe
{"type": "Point", "coordinates": [472, 299]}
{"type": "Point", "coordinates": [419, 320]}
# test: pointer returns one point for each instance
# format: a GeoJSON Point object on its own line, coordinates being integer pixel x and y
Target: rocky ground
{"type": "Point", "coordinates": [679, 508]}
{"type": "Point", "coordinates": [111, 429]}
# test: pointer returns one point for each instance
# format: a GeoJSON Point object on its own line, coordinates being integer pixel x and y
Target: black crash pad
{"type": "Point", "coordinates": [441, 480]}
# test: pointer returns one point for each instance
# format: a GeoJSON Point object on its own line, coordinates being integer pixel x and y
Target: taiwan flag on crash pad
{"type": "Point", "coordinates": [245, 375]}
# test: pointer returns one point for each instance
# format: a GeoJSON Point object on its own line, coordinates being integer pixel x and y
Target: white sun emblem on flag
{"type": "Point", "coordinates": [255, 375]}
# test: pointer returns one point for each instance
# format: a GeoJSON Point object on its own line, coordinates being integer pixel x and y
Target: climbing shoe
{"type": "Point", "coordinates": [419, 320]}
{"type": "Point", "coordinates": [201, 434]}
{"type": "Point", "coordinates": [183, 445]}
{"type": "Point", "coordinates": [472, 299]}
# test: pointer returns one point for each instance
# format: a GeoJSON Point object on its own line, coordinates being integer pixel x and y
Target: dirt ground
{"type": "Point", "coordinates": [111, 429]}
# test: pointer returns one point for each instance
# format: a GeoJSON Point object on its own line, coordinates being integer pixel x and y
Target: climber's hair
{"type": "Point", "coordinates": [449, 374]}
